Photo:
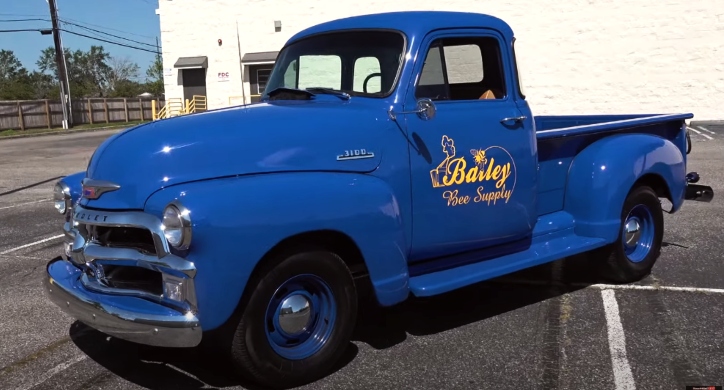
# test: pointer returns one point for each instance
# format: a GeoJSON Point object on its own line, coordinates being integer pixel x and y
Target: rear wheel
{"type": "Point", "coordinates": [641, 233]}
{"type": "Point", "coordinates": [298, 320]}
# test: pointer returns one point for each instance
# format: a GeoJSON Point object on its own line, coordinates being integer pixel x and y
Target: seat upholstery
{"type": "Point", "coordinates": [488, 95]}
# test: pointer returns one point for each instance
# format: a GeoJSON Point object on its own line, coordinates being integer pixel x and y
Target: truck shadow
{"type": "Point", "coordinates": [161, 368]}
{"type": "Point", "coordinates": [383, 328]}
{"type": "Point", "coordinates": [380, 328]}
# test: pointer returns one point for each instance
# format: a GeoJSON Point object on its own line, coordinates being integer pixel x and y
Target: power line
{"type": "Point", "coordinates": [83, 27]}
{"type": "Point", "coordinates": [24, 20]}
{"type": "Point", "coordinates": [107, 28]}
{"type": "Point", "coordinates": [111, 42]}
{"type": "Point", "coordinates": [105, 33]}
{"type": "Point", "coordinates": [6, 14]}
{"type": "Point", "coordinates": [41, 30]}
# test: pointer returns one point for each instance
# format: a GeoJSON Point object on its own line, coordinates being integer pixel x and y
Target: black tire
{"type": "Point", "coordinates": [621, 263]}
{"type": "Point", "coordinates": [253, 352]}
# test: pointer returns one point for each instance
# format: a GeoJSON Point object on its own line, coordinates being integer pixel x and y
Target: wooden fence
{"type": "Point", "coordinates": [36, 114]}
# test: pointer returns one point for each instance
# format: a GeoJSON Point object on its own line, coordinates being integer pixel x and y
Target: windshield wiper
{"type": "Point", "coordinates": [329, 91]}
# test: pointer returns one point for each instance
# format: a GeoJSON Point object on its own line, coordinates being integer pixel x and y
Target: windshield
{"type": "Point", "coordinates": [359, 63]}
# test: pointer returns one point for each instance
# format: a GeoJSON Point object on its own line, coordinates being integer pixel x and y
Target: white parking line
{"type": "Point", "coordinates": [699, 132]}
{"type": "Point", "coordinates": [55, 370]}
{"type": "Point", "coordinates": [31, 244]}
{"type": "Point", "coordinates": [622, 376]}
{"type": "Point", "coordinates": [705, 129]}
{"type": "Point", "coordinates": [659, 288]}
{"type": "Point", "coordinates": [24, 204]}
{"type": "Point", "coordinates": [602, 286]}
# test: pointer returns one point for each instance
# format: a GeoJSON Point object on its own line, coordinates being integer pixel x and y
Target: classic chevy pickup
{"type": "Point", "coordinates": [393, 153]}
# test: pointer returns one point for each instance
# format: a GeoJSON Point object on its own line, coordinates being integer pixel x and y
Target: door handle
{"type": "Point", "coordinates": [514, 118]}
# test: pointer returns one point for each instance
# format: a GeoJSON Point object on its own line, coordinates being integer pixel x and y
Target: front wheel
{"type": "Point", "coordinates": [641, 233]}
{"type": "Point", "coordinates": [298, 321]}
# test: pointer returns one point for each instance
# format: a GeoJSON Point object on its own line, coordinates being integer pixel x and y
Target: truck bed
{"type": "Point", "coordinates": [561, 138]}
{"type": "Point", "coordinates": [552, 126]}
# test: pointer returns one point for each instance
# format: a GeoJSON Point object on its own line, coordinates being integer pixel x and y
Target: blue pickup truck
{"type": "Point", "coordinates": [392, 153]}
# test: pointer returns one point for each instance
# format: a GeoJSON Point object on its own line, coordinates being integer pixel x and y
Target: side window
{"type": "Point", "coordinates": [521, 88]}
{"type": "Point", "coordinates": [320, 71]}
{"type": "Point", "coordinates": [290, 76]}
{"type": "Point", "coordinates": [364, 67]}
{"type": "Point", "coordinates": [431, 83]}
{"type": "Point", "coordinates": [468, 68]}
{"type": "Point", "coordinates": [464, 64]}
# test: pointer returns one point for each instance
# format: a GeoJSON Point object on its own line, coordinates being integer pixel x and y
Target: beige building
{"type": "Point", "coordinates": [576, 57]}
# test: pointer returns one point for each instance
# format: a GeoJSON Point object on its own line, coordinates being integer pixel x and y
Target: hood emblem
{"type": "Point", "coordinates": [355, 154]}
{"type": "Point", "coordinates": [93, 189]}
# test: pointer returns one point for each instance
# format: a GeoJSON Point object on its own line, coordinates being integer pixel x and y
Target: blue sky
{"type": "Point", "coordinates": [132, 19]}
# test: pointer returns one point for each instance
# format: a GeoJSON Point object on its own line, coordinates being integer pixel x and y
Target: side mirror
{"type": "Point", "coordinates": [425, 110]}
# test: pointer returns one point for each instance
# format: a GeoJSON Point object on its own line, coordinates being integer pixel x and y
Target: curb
{"type": "Point", "coordinates": [66, 132]}
{"type": "Point", "coordinates": [707, 123]}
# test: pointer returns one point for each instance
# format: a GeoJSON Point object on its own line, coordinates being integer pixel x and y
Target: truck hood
{"type": "Point", "coordinates": [259, 138]}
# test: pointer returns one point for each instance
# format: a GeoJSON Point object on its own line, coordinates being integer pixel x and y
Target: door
{"type": "Point", "coordinates": [473, 176]}
{"type": "Point", "coordinates": [194, 83]}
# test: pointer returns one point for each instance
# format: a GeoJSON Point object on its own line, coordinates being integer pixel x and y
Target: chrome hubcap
{"type": "Point", "coordinates": [294, 314]}
{"type": "Point", "coordinates": [633, 232]}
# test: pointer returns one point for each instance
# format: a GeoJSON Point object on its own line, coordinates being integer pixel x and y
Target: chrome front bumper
{"type": "Point", "coordinates": [127, 318]}
{"type": "Point", "coordinates": [76, 282]}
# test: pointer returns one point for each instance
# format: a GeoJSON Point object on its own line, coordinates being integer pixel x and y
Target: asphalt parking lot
{"type": "Point", "coordinates": [552, 327]}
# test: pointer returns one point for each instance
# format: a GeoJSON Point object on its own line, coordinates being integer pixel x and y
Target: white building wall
{"type": "Point", "coordinates": [576, 56]}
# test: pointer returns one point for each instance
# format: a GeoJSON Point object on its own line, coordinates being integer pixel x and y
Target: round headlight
{"type": "Point", "coordinates": [177, 225]}
{"type": "Point", "coordinates": [61, 197]}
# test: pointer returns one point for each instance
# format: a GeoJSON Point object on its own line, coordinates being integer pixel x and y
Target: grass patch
{"type": "Point", "coordinates": [60, 130]}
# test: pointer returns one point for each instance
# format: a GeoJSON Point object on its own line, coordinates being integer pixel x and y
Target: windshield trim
{"type": "Point", "coordinates": [398, 75]}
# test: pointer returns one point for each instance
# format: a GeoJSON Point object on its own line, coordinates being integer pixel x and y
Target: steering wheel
{"type": "Point", "coordinates": [367, 79]}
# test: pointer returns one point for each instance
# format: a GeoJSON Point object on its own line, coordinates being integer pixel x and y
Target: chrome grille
{"type": "Point", "coordinates": [126, 253]}
{"type": "Point", "coordinates": [123, 237]}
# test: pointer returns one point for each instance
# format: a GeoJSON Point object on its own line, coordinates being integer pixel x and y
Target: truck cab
{"type": "Point", "coordinates": [393, 152]}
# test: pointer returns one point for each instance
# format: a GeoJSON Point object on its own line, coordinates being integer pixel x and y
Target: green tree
{"type": "Point", "coordinates": [122, 73]}
{"type": "Point", "coordinates": [15, 81]}
{"type": "Point", "coordinates": [154, 73]}
{"type": "Point", "coordinates": [88, 72]}
{"type": "Point", "coordinates": [127, 88]}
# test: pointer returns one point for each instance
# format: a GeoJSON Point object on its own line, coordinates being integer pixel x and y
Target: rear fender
{"type": "Point", "coordinates": [601, 176]}
{"type": "Point", "coordinates": [237, 221]}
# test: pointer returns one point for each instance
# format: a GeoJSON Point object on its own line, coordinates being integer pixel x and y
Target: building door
{"type": "Point", "coordinates": [258, 77]}
{"type": "Point", "coordinates": [194, 83]}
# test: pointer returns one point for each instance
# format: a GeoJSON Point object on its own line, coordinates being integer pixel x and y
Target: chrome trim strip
{"type": "Point", "coordinates": [159, 328]}
{"type": "Point", "coordinates": [168, 264]}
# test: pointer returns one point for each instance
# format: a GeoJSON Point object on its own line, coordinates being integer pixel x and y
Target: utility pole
{"type": "Point", "coordinates": [62, 70]}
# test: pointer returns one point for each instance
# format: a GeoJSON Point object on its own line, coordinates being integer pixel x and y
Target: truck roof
{"type": "Point", "coordinates": [414, 24]}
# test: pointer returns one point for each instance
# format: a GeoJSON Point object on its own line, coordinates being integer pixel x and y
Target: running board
{"type": "Point", "coordinates": [541, 251]}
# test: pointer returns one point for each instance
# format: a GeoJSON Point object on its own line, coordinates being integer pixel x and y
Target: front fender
{"type": "Point", "coordinates": [602, 175]}
{"type": "Point", "coordinates": [236, 221]}
{"type": "Point", "coordinates": [73, 181]}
